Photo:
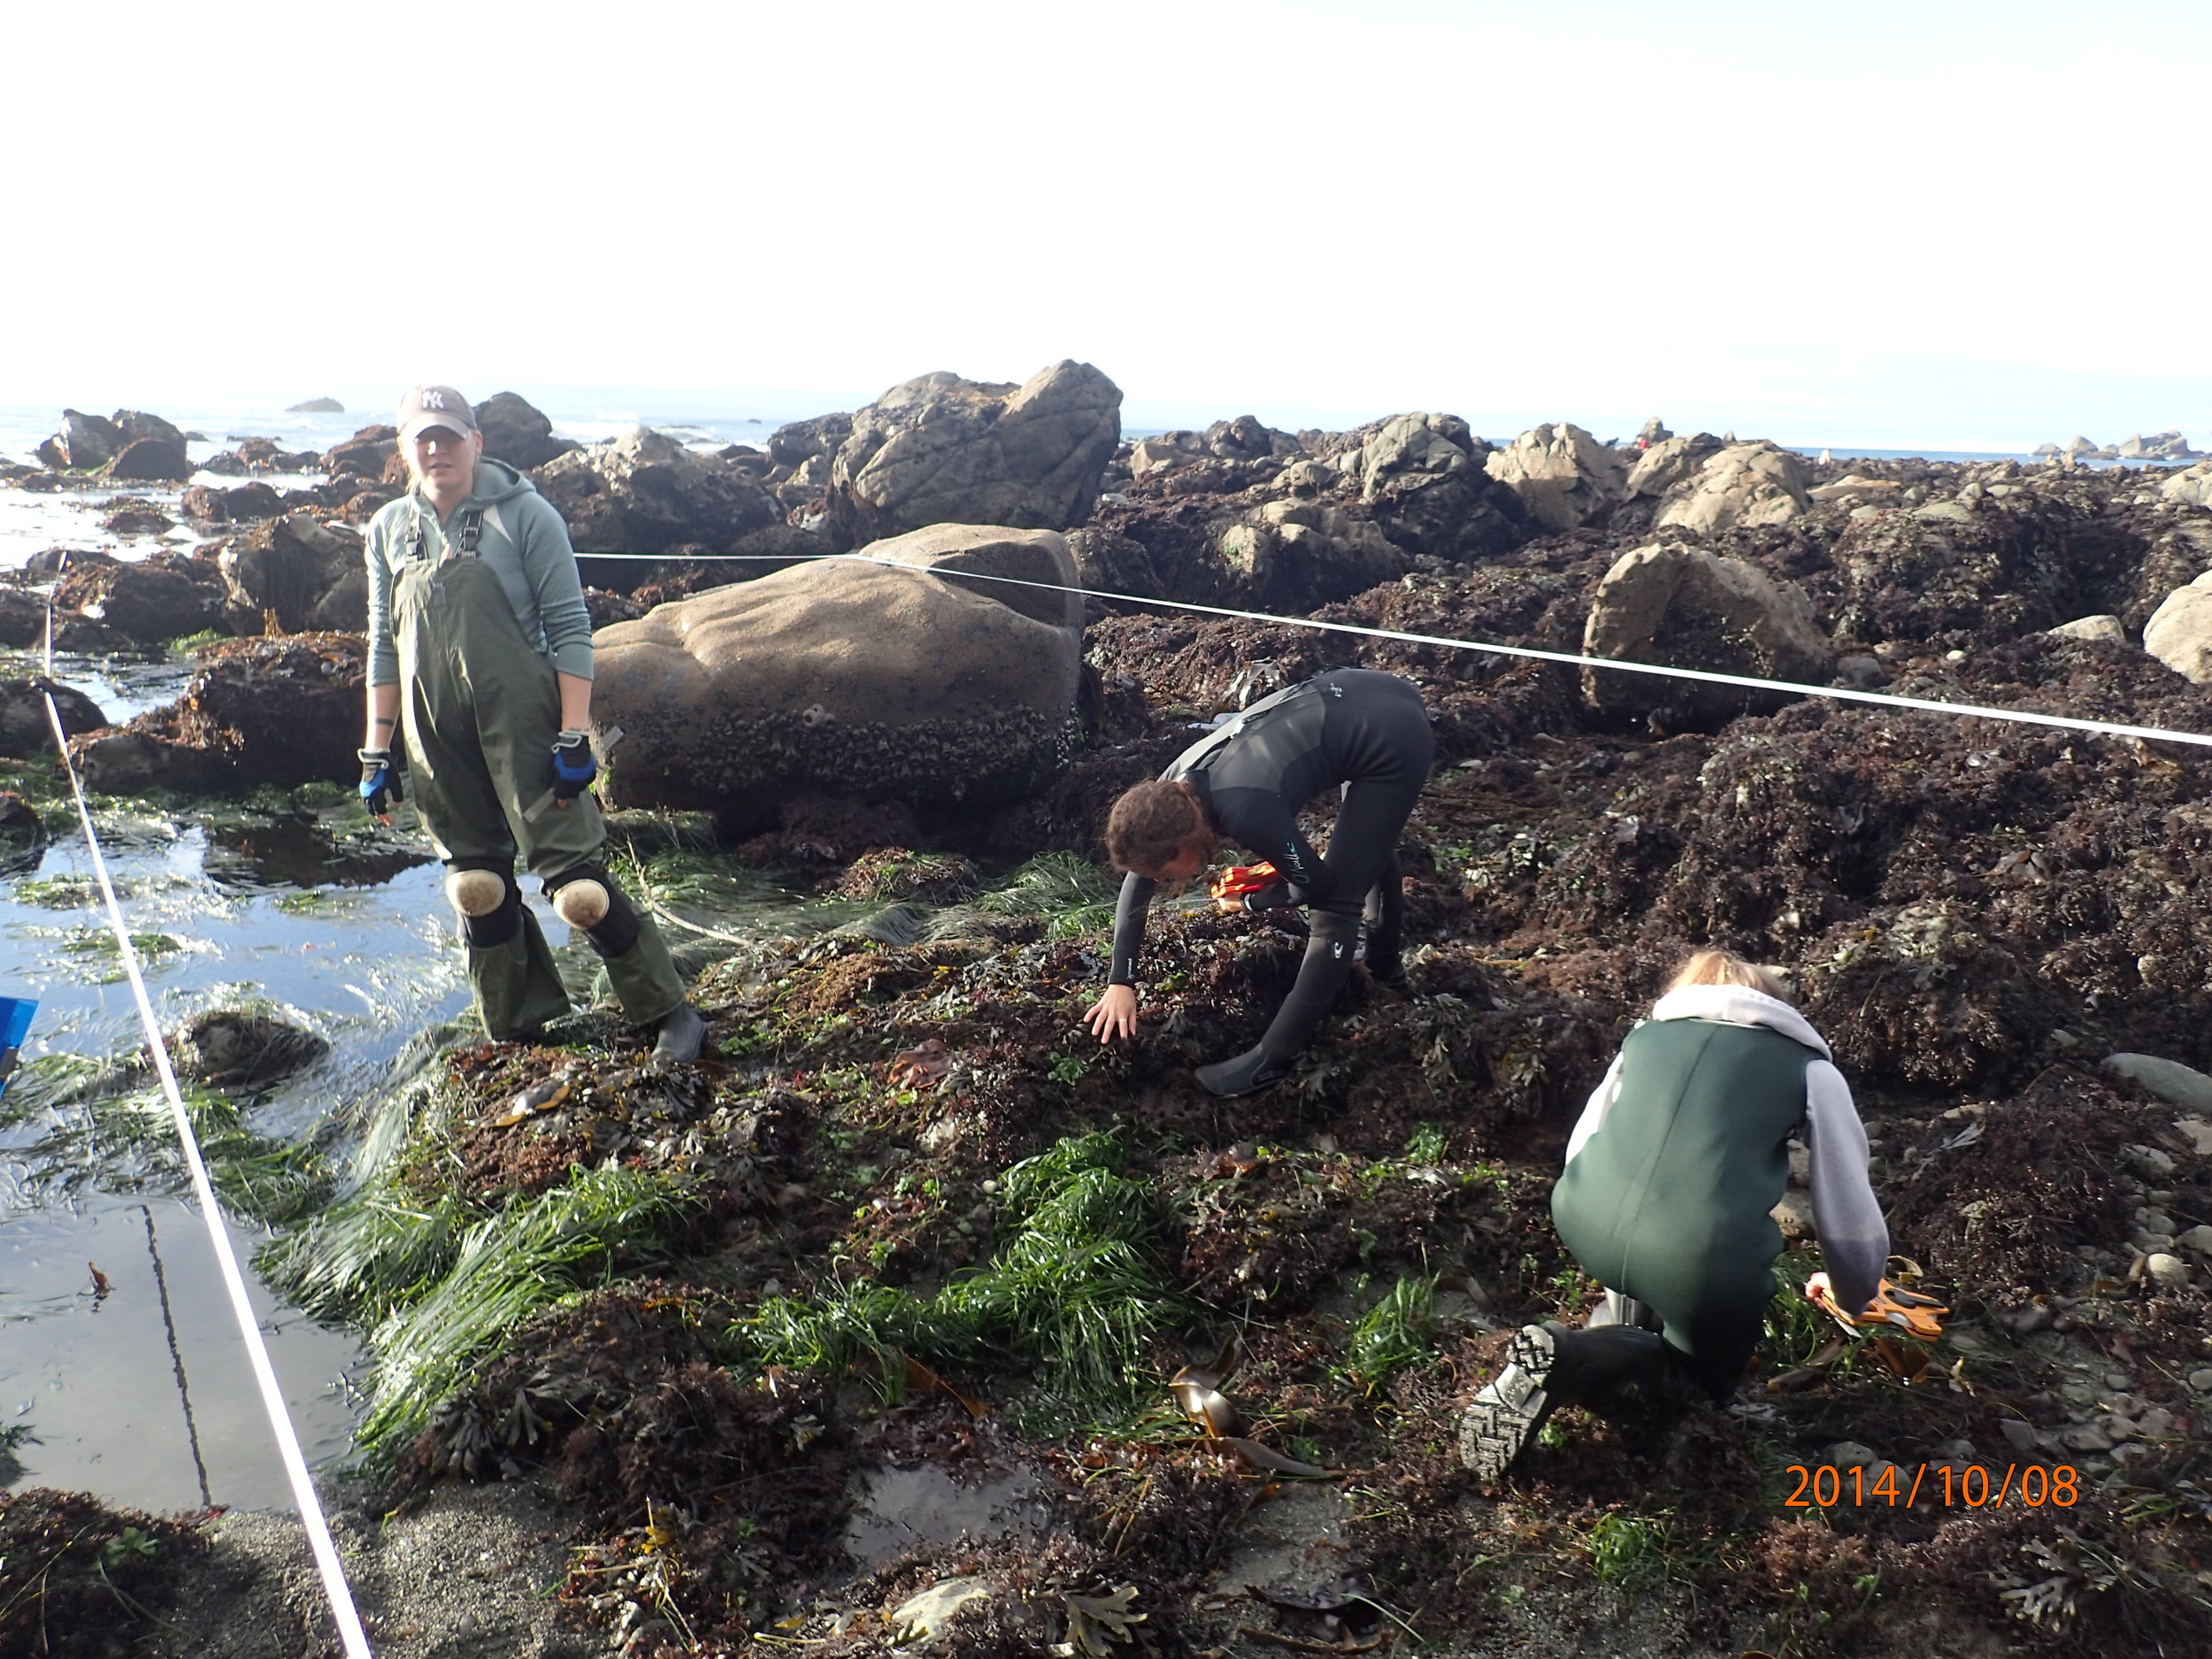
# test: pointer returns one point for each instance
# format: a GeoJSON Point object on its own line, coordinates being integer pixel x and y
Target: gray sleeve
{"type": "Point", "coordinates": [1853, 1237]}
{"type": "Point", "coordinates": [383, 656]}
{"type": "Point", "coordinates": [549, 564]}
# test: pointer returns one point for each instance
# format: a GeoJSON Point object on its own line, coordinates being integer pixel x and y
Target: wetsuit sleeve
{"type": "Point", "coordinates": [1265, 823]}
{"type": "Point", "coordinates": [549, 564]}
{"type": "Point", "coordinates": [383, 656]}
{"type": "Point", "coordinates": [1853, 1237]}
{"type": "Point", "coordinates": [1601, 1102]}
{"type": "Point", "coordinates": [1136, 899]}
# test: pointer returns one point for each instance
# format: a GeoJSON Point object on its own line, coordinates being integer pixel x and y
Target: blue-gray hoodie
{"type": "Point", "coordinates": [521, 538]}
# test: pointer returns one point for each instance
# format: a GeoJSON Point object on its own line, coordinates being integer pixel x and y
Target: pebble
{"type": "Point", "coordinates": [2018, 1435]}
{"type": "Point", "coordinates": [2119, 1379]}
{"type": "Point", "coordinates": [2201, 1379]}
{"type": "Point", "coordinates": [2198, 1238]}
{"type": "Point", "coordinates": [1850, 1454]}
{"type": "Point", "coordinates": [2168, 1270]}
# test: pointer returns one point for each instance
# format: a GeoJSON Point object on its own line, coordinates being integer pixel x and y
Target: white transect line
{"type": "Point", "coordinates": [1840, 693]}
{"type": "Point", "coordinates": [319, 1539]}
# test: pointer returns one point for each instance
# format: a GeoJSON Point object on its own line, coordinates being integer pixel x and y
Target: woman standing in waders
{"type": "Point", "coordinates": [1365, 732]}
{"type": "Point", "coordinates": [479, 656]}
{"type": "Point", "coordinates": [1672, 1170]}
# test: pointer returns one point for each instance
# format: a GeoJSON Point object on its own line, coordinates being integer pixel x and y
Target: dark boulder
{"type": "Point", "coordinates": [22, 618]}
{"type": "Point", "coordinates": [150, 460]}
{"type": "Point", "coordinates": [146, 603]}
{"type": "Point", "coordinates": [517, 433]}
{"type": "Point", "coordinates": [241, 505]}
{"type": "Point", "coordinates": [24, 728]}
{"type": "Point", "coordinates": [137, 520]}
{"type": "Point", "coordinates": [87, 441]}
{"type": "Point", "coordinates": [283, 710]}
{"type": "Point", "coordinates": [137, 424]}
{"type": "Point", "coordinates": [365, 453]}
{"type": "Point", "coordinates": [22, 832]}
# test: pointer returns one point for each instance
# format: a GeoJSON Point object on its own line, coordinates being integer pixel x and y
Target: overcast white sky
{"type": "Point", "coordinates": [1940, 224]}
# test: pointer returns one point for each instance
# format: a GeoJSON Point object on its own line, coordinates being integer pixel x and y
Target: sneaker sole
{"type": "Point", "coordinates": [1505, 1417]}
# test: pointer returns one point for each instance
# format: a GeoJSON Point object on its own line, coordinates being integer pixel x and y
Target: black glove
{"type": "Point", "coordinates": [1276, 895]}
{"type": "Point", "coordinates": [380, 782]}
{"type": "Point", "coordinates": [575, 765]}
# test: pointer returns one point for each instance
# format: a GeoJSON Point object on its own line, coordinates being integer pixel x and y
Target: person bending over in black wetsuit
{"type": "Point", "coordinates": [1366, 732]}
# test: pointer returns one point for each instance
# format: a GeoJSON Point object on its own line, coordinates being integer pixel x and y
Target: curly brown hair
{"type": "Point", "coordinates": [1151, 823]}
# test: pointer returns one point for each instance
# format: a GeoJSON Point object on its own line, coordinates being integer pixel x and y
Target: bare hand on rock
{"type": "Point", "coordinates": [1114, 1014]}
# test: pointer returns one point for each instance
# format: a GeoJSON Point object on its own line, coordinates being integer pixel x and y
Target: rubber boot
{"type": "Point", "coordinates": [1384, 918]}
{"type": "Point", "coordinates": [681, 1033]}
{"type": "Point", "coordinates": [1328, 963]}
{"type": "Point", "coordinates": [1549, 1366]}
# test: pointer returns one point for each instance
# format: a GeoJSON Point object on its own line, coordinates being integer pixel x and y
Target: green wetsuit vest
{"type": "Point", "coordinates": [1669, 1200]}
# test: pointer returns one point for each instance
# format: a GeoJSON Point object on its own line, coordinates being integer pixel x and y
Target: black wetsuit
{"type": "Point", "coordinates": [1354, 727]}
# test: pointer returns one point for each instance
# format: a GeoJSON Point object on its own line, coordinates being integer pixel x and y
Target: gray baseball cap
{"type": "Point", "coordinates": [428, 406]}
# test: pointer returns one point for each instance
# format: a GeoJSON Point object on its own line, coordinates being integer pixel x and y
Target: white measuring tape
{"type": "Point", "coordinates": [319, 1539]}
{"type": "Point", "coordinates": [1840, 693]}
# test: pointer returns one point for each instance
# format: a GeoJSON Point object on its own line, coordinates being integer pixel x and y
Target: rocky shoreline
{"type": "Point", "coordinates": [906, 1221]}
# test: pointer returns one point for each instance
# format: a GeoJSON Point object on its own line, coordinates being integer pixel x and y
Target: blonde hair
{"type": "Point", "coordinates": [1719, 967]}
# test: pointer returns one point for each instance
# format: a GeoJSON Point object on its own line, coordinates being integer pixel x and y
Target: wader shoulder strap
{"type": "Point", "coordinates": [468, 530]}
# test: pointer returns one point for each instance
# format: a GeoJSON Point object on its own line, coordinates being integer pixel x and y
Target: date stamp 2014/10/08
{"type": "Point", "coordinates": [1955, 1485]}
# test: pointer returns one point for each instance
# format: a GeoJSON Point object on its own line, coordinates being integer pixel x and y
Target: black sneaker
{"type": "Point", "coordinates": [681, 1033]}
{"type": "Point", "coordinates": [1511, 1408]}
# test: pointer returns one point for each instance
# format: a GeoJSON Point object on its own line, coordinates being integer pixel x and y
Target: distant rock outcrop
{"type": "Point", "coordinates": [940, 450]}
{"type": "Point", "coordinates": [1741, 485]}
{"type": "Point", "coordinates": [317, 406]}
{"type": "Point", "coordinates": [646, 493]}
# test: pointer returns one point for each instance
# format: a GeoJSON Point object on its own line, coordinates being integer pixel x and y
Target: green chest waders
{"type": "Point", "coordinates": [478, 711]}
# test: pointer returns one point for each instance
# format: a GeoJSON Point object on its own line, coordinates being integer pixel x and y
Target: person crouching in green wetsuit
{"type": "Point", "coordinates": [479, 656]}
{"type": "Point", "coordinates": [1670, 1176]}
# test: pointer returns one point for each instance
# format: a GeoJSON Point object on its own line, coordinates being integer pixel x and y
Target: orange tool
{"type": "Point", "coordinates": [1907, 1311]}
{"type": "Point", "coordinates": [1239, 880]}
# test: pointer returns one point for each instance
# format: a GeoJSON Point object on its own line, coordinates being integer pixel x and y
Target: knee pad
{"type": "Point", "coordinates": [489, 903]}
{"type": "Point", "coordinates": [475, 892]}
{"type": "Point", "coordinates": [586, 897]}
{"type": "Point", "coordinates": [583, 902]}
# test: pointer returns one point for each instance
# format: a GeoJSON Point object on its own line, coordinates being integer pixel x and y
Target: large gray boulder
{"type": "Point", "coordinates": [518, 434]}
{"type": "Point", "coordinates": [2179, 633]}
{"type": "Point", "coordinates": [644, 492]}
{"type": "Point", "coordinates": [148, 460]}
{"type": "Point", "coordinates": [1687, 608]}
{"type": "Point", "coordinates": [924, 684]}
{"type": "Point", "coordinates": [1743, 486]}
{"type": "Point", "coordinates": [1424, 476]}
{"type": "Point", "coordinates": [1564, 477]}
{"type": "Point", "coordinates": [939, 449]}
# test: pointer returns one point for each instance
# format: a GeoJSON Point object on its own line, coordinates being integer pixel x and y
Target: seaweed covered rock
{"type": "Point", "coordinates": [243, 1049]}
{"type": "Point", "coordinates": [852, 679]}
{"type": "Point", "coordinates": [148, 603]}
{"type": "Point", "coordinates": [278, 710]}
{"type": "Point", "coordinates": [1687, 608]}
{"type": "Point", "coordinates": [283, 570]}
{"type": "Point", "coordinates": [940, 449]}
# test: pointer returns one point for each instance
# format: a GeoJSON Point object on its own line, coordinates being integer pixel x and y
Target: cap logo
{"type": "Point", "coordinates": [434, 400]}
